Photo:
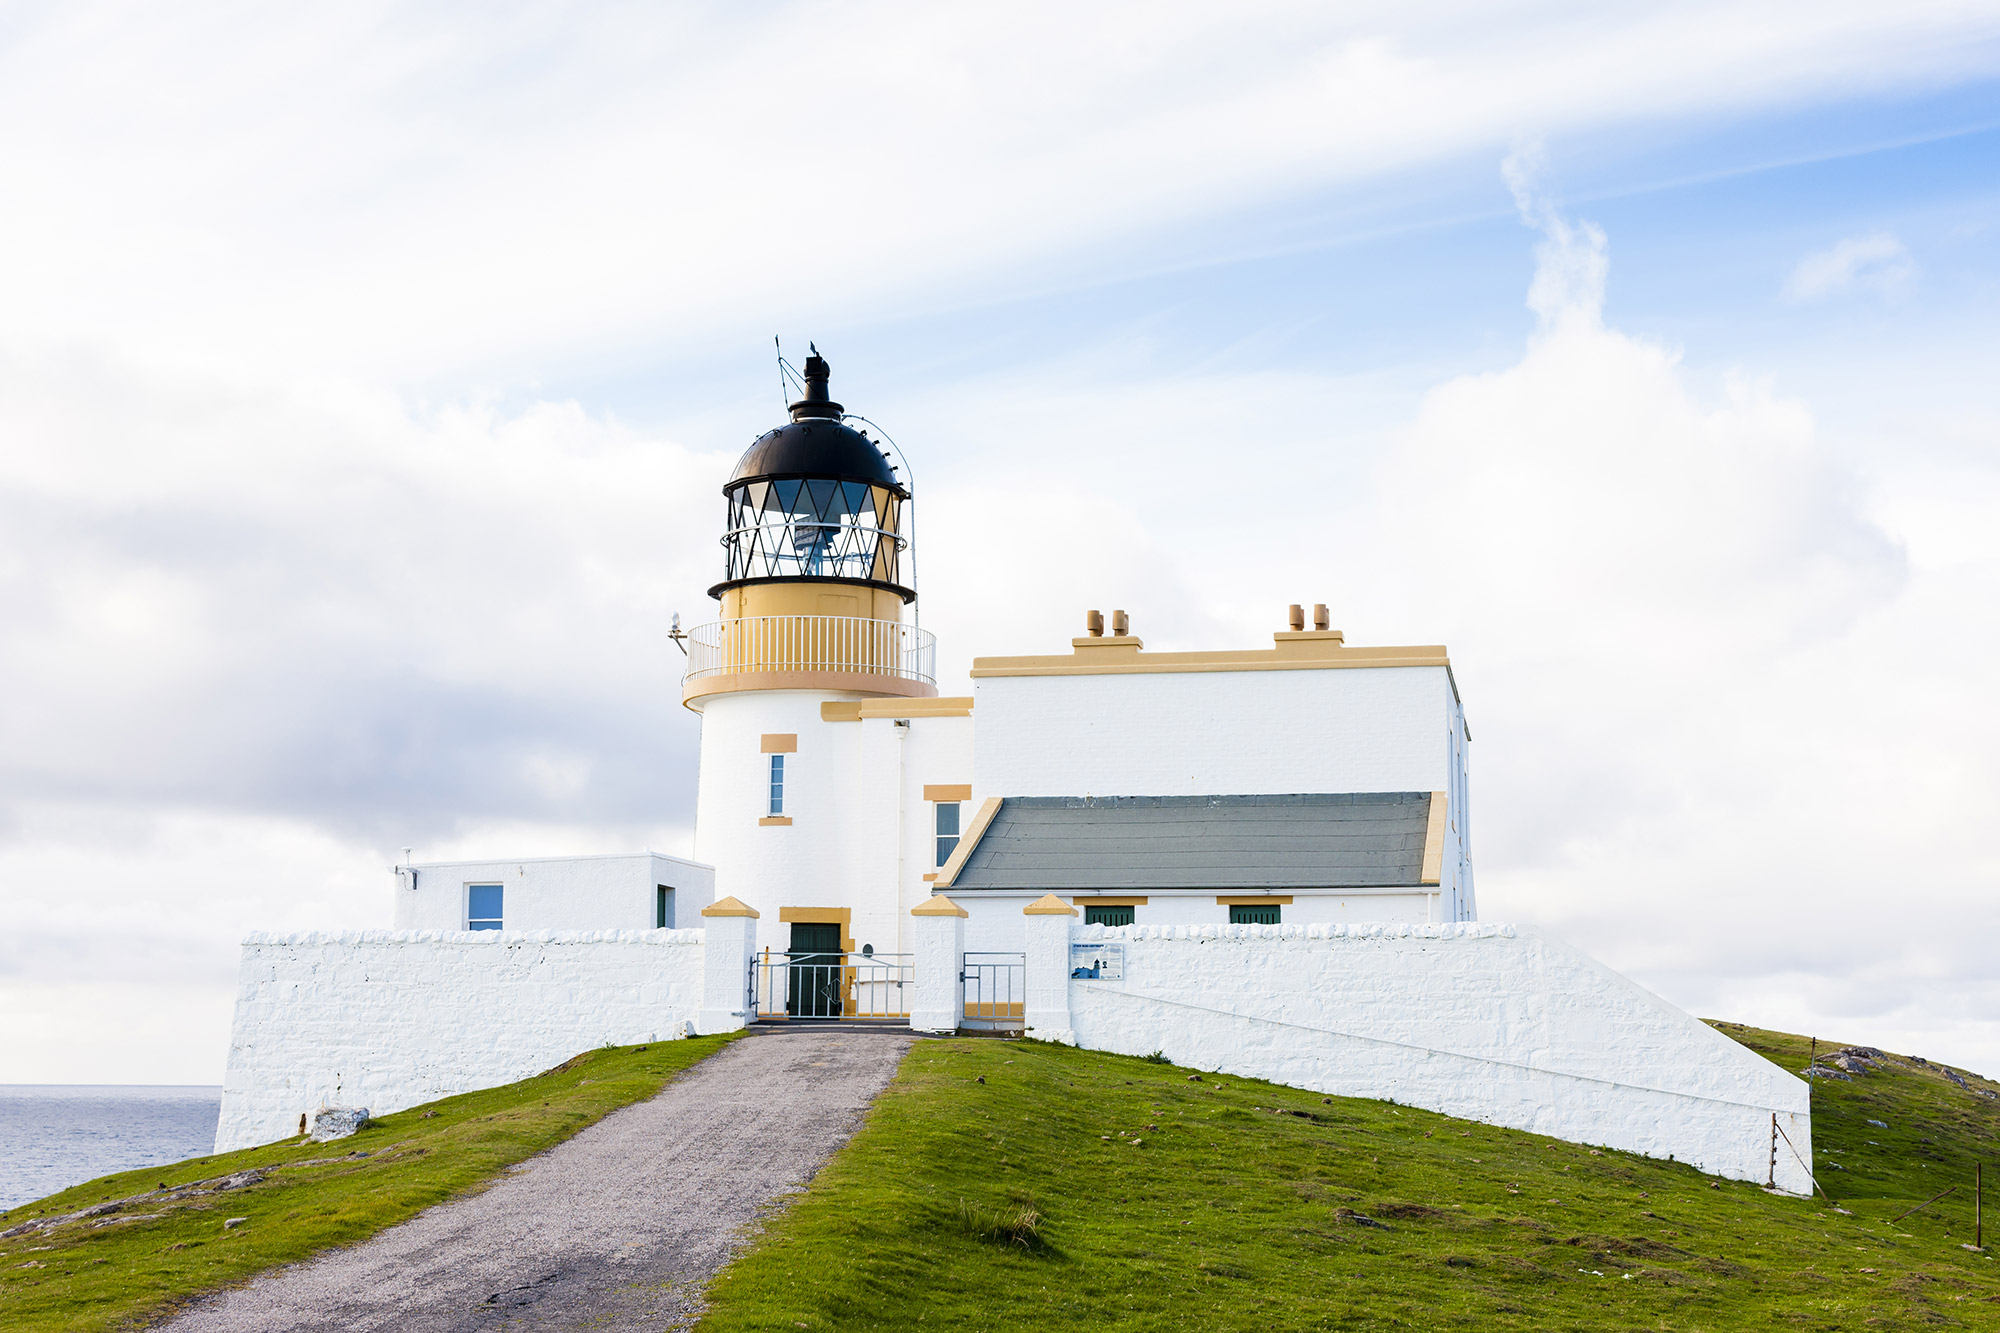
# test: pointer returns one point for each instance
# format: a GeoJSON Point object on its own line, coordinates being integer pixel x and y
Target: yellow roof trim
{"type": "Point", "coordinates": [853, 710]}
{"type": "Point", "coordinates": [1434, 840]}
{"type": "Point", "coordinates": [729, 907]}
{"type": "Point", "coordinates": [1290, 650]}
{"type": "Point", "coordinates": [938, 905]}
{"type": "Point", "coordinates": [1048, 905]}
{"type": "Point", "coordinates": [973, 833]}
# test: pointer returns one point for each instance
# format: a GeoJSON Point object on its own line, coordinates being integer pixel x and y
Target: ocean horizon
{"type": "Point", "coordinates": [55, 1135]}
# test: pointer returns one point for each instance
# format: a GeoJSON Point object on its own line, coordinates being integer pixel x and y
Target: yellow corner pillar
{"type": "Point", "coordinates": [729, 941]}
{"type": "Point", "coordinates": [1047, 983]}
{"type": "Point", "coordinates": [940, 959]}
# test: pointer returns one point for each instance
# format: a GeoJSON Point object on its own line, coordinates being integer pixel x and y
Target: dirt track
{"type": "Point", "coordinates": [618, 1228]}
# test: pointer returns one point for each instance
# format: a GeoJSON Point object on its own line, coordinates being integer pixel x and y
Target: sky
{"type": "Point", "coordinates": [369, 373]}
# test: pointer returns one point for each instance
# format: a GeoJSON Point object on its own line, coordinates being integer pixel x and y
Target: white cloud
{"type": "Point", "coordinates": [413, 191]}
{"type": "Point", "coordinates": [1572, 261]}
{"type": "Point", "coordinates": [1727, 724]}
{"type": "Point", "coordinates": [1877, 262]}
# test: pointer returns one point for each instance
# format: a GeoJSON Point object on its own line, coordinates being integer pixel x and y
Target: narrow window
{"type": "Point", "coordinates": [1258, 914]}
{"type": "Point", "coordinates": [482, 907]}
{"type": "Point", "coordinates": [663, 915]}
{"type": "Point", "coordinates": [777, 785]}
{"type": "Point", "coordinates": [1108, 916]}
{"type": "Point", "coordinates": [947, 830]}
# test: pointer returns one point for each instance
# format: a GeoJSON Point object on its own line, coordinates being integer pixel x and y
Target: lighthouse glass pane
{"type": "Point", "coordinates": [947, 830]}
{"type": "Point", "coordinates": [482, 906]}
{"type": "Point", "coordinates": [777, 784]}
{"type": "Point", "coordinates": [817, 528]}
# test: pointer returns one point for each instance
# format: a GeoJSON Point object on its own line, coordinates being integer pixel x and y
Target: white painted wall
{"type": "Point", "coordinates": [1485, 1022]}
{"type": "Point", "coordinates": [994, 922]}
{"type": "Point", "coordinates": [1205, 733]}
{"type": "Point", "coordinates": [860, 835]}
{"type": "Point", "coordinates": [1202, 733]}
{"type": "Point", "coordinates": [558, 893]}
{"type": "Point", "coordinates": [388, 1020]}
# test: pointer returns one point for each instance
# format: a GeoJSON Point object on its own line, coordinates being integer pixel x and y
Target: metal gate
{"type": "Point", "coordinates": [994, 986]}
{"type": "Point", "coordinates": [822, 984]}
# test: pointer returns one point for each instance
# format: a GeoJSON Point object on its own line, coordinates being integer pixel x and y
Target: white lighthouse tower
{"type": "Point", "coordinates": [825, 827]}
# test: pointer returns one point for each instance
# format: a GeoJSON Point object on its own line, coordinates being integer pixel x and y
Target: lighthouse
{"type": "Point", "coordinates": [830, 768]}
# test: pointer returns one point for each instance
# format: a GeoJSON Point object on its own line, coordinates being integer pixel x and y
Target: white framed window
{"type": "Point", "coordinates": [947, 830]}
{"type": "Point", "coordinates": [777, 801]}
{"type": "Point", "coordinates": [483, 903]}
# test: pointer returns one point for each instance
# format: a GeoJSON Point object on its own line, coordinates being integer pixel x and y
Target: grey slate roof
{"type": "Point", "coordinates": [1332, 840]}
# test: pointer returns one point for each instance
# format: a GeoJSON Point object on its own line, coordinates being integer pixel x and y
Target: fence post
{"type": "Point", "coordinates": [940, 960]}
{"type": "Point", "coordinates": [729, 940]}
{"type": "Point", "coordinates": [1045, 1013]}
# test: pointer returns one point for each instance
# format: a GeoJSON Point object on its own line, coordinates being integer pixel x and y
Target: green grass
{"type": "Point", "coordinates": [111, 1272]}
{"type": "Point", "coordinates": [1074, 1190]}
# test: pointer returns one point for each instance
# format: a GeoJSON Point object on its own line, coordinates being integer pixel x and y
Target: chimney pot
{"type": "Point", "coordinates": [1120, 626]}
{"type": "Point", "coordinates": [1321, 620]}
{"type": "Point", "coordinates": [1093, 624]}
{"type": "Point", "coordinates": [1297, 615]}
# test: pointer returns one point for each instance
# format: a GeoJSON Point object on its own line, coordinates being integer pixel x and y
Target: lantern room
{"type": "Point", "coordinates": [816, 564]}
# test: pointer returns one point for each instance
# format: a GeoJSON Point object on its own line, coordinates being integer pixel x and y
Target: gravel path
{"type": "Point", "coordinates": [619, 1227]}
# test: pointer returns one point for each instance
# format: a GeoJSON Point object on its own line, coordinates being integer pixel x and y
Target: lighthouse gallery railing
{"type": "Point", "coordinates": [851, 644]}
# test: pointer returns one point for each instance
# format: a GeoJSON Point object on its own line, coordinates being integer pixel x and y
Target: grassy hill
{"type": "Point", "coordinates": [169, 1237]}
{"type": "Point", "coordinates": [1014, 1185]}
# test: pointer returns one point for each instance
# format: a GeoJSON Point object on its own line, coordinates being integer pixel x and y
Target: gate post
{"type": "Point", "coordinates": [729, 933]}
{"type": "Point", "coordinates": [1046, 1013]}
{"type": "Point", "coordinates": [940, 961]}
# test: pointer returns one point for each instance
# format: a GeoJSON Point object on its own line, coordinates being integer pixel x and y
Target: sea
{"type": "Point", "coordinates": [53, 1136]}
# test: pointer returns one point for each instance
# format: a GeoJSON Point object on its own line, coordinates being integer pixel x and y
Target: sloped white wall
{"type": "Point", "coordinates": [1486, 1022]}
{"type": "Point", "coordinates": [388, 1020]}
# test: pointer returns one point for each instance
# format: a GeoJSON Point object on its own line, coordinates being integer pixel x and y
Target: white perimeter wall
{"type": "Point", "coordinates": [389, 1020]}
{"type": "Point", "coordinates": [1484, 1022]}
{"type": "Point", "coordinates": [1206, 733]}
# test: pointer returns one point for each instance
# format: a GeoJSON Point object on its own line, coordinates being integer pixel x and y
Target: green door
{"type": "Point", "coordinates": [815, 963]}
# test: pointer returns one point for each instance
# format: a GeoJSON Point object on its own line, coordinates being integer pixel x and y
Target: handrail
{"type": "Point", "coordinates": [855, 645]}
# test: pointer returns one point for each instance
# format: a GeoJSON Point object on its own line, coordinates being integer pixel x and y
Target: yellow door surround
{"type": "Point", "coordinates": [838, 916]}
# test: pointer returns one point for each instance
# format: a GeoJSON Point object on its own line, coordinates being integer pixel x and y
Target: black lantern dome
{"type": "Point", "coordinates": [815, 500]}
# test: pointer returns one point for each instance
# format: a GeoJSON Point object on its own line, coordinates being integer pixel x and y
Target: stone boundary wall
{"type": "Point", "coordinates": [1486, 1022]}
{"type": "Point", "coordinates": [390, 1019]}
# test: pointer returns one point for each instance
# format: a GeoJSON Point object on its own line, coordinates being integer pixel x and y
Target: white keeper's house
{"type": "Point", "coordinates": [1253, 859]}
